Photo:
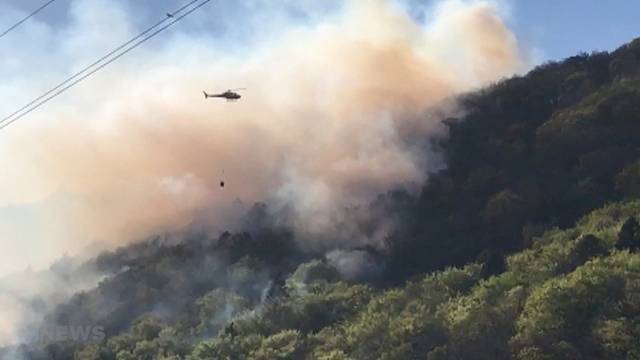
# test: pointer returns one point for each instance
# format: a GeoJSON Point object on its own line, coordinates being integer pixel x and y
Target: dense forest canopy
{"type": "Point", "coordinates": [523, 247]}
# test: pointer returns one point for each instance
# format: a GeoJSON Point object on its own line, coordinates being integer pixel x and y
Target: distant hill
{"type": "Point", "coordinates": [523, 247]}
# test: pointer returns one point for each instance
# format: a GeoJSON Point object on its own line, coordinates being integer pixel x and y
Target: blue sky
{"type": "Point", "coordinates": [551, 29]}
{"type": "Point", "coordinates": [559, 29]}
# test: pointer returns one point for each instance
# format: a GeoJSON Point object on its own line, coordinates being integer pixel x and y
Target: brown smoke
{"type": "Point", "coordinates": [326, 122]}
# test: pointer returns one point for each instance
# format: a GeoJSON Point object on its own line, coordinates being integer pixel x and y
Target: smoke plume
{"type": "Point", "coordinates": [335, 112]}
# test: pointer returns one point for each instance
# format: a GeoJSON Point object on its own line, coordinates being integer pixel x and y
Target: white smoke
{"type": "Point", "coordinates": [336, 112]}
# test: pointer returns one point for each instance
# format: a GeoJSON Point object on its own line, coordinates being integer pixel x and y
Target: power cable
{"type": "Point", "coordinates": [32, 14]}
{"type": "Point", "coordinates": [87, 68]}
{"type": "Point", "coordinates": [145, 39]}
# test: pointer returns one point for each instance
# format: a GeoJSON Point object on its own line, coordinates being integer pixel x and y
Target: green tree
{"type": "Point", "coordinates": [629, 235]}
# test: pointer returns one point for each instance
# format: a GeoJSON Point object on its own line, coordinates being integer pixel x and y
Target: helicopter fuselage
{"type": "Point", "coordinates": [229, 95]}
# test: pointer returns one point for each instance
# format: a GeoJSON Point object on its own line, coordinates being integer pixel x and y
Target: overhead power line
{"type": "Point", "coordinates": [32, 14]}
{"type": "Point", "coordinates": [85, 73]}
{"type": "Point", "coordinates": [97, 62]}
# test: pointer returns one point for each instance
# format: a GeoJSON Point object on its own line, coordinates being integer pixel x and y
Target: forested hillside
{"type": "Point", "coordinates": [523, 247]}
{"type": "Point", "coordinates": [573, 295]}
{"type": "Point", "coordinates": [532, 153]}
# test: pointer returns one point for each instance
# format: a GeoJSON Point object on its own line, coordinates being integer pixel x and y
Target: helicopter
{"type": "Point", "coordinates": [230, 94]}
